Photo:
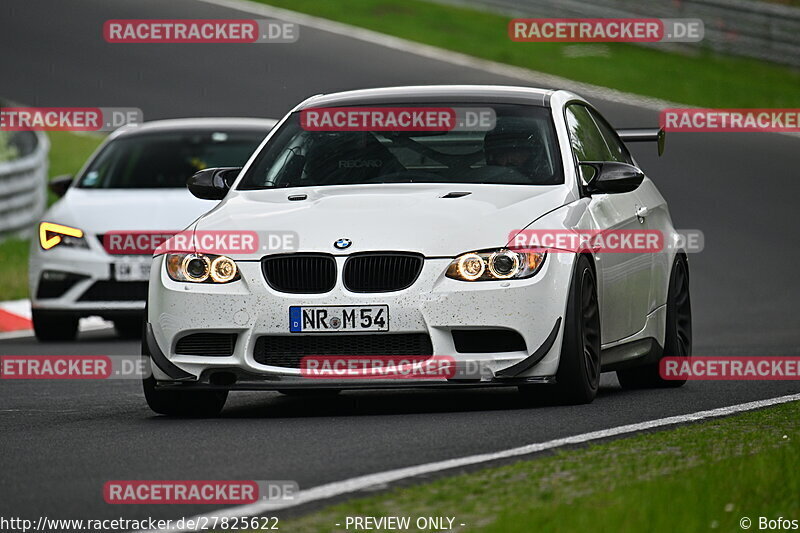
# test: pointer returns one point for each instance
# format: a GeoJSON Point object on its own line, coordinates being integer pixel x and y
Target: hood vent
{"type": "Point", "coordinates": [455, 194]}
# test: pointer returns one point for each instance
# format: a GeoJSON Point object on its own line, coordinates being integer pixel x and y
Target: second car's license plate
{"type": "Point", "coordinates": [338, 318]}
{"type": "Point", "coordinates": [132, 269]}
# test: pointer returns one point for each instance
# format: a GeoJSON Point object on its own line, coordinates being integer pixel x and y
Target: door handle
{"type": "Point", "coordinates": [641, 213]}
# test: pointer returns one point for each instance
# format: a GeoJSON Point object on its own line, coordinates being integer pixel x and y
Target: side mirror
{"type": "Point", "coordinates": [611, 177]}
{"type": "Point", "coordinates": [60, 184]}
{"type": "Point", "coordinates": [212, 183]}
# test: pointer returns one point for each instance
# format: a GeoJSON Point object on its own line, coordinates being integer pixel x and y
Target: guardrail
{"type": "Point", "coordinates": [747, 28]}
{"type": "Point", "coordinates": [23, 183]}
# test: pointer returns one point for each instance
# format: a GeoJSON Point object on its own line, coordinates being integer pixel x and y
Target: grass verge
{"type": "Point", "coordinates": [699, 477]}
{"type": "Point", "coordinates": [704, 79]}
{"type": "Point", "coordinates": [14, 269]}
{"type": "Point", "coordinates": [68, 152]}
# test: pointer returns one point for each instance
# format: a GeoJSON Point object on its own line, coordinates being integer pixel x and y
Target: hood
{"type": "Point", "coordinates": [399, 217]}
{"type": "Point", "coordinates": [102, 210]}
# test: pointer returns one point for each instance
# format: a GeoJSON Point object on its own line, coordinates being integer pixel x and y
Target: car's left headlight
{"type": "Point", "coordinates": [495, 265]}
{"type": "Point", "coordinates": [51, 235]}
{"type": "Point", "coordinates": [201, 268]}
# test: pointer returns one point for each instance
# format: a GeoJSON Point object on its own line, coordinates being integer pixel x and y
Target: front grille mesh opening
{"type": "Point", "coordinates": [286, 350]}
{"type": "Point", "coordinates": [212, 344]}
{"type": "Point", "coordinates": [115, 291]}
{"type": "Point", "coordinates": [300, 273]}
{"type": "Point", "coordinates": [55, 284]}
{"type": "Point", "coordinates": [381, 272]}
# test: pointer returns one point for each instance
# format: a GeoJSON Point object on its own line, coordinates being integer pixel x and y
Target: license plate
{"type": "Point", "coordinates": [132, 270]}
{"type": "Point", "coordinates": [338, 318]}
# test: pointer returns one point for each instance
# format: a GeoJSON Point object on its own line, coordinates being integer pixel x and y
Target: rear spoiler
{"type": "Point", "coordinates": [633, 135]}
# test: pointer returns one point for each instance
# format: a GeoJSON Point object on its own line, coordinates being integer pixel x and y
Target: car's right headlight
{"type": "Point", "coordinates": [51, 235]}
{"type": "Point", "coordinates": [495, 265]}
{"type": "Point", "coordinates": [201, 268]}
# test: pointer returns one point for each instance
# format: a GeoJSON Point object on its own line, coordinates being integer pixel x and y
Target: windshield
{"type": "Point", "coordinates": [163, 160]}
{"type": "Point", "coordinates": [519, 149]}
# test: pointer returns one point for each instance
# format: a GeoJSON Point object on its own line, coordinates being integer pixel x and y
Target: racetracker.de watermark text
{"type": "Point", "coordinates": [68, 118]}
{"type": "Point", "coordinates": [731, 120]}
{"type": "Point", "coordinates": [730, 368]}
{"type": "Point", "coordinates": [600, 30]}
{"type": "Point", "coordinates": [138, 31]}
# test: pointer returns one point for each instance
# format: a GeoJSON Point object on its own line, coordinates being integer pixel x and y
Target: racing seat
{"type": "Point", "coordinates": [348, 158]}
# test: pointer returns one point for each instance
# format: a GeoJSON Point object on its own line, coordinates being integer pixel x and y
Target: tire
{"type": "Point", "coordinates": [677, 333]}
{"type": "Point", "coordinates": [183, 403]}
{"type": "Point", "coordinates": [128, 327]}
{"type": "Point", "coordinates": [578, 375]}
{"type": "Point", "coordinates": [53, 327]}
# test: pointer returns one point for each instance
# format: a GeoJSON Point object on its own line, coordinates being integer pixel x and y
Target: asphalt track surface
{"type": "Point", "coordinates": [62, 440]}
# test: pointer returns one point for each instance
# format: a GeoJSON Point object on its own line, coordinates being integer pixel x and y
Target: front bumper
{"type": "Point", "coordinates": [433, 305]}
{"type": "Point", "coordinates": [82, 281]}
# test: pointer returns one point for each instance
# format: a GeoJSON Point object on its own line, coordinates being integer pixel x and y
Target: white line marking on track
{"type": "Point", "coordinates": [381, 479]}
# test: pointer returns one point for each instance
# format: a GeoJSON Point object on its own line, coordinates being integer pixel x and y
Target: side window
{"type": "Point", "coordinates": [587, 141]}
{"type": "Point", "coordinates": [616, 148]}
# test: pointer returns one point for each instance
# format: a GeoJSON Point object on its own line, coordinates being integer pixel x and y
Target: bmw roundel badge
{"type": "Point", "coordinates": [341, 244]}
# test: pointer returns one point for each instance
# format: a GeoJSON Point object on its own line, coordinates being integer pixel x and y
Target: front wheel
{"type": "Point", "coordinates": [183, 403]}
{"type": "Point", "coordinates": [128, 327]}
{"type": "Point", "coordinates": [578, 375]}
{"type": "Point", "coordinates": [52, 327]}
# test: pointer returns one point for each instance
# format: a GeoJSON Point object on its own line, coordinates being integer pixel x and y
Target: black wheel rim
{"type": "Point", "coordinates": [590, 327]}
{"type": "Point", "coordinates": [683, 311]}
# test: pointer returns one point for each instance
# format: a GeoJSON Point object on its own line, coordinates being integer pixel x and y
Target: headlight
{"type": "Point", "coordinates": [497, 265]}
{"type": "Point", "coordinates": [201, 268]}
{"type": "Point", "coordinates": [51, 235]}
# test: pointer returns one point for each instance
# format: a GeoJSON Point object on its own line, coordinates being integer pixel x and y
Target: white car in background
{"type": "Point", "coordinates": [407, 246]}
{"type": "Point", "coordinates": [134, 182]}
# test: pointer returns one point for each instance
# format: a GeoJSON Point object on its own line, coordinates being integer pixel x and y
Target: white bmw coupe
{"type": "Point", "coordinates": [504, 233]}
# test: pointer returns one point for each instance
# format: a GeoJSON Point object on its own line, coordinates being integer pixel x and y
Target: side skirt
{"type": "Point", "coordinates": [631, 354]}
